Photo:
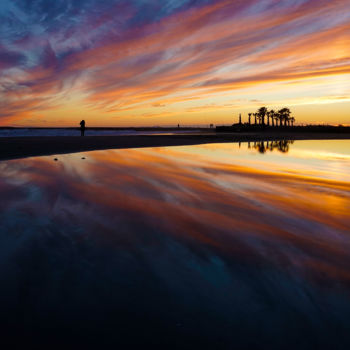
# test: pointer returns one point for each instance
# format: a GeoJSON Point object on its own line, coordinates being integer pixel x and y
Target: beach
{"type": "Point", "coordinates": [21, 147]}
{"type": "Point", "coordinates": [218, 246]}
{"type": "Point", "coordinates": [175, 174]}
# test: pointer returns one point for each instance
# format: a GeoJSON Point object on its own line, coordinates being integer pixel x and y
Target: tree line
{"type": "Point", "coordinates": [265, 117]}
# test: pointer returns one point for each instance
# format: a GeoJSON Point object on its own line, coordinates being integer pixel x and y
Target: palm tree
{"type": "Point", "coordinates": [262, 111]}
{"type": "Point", "coordinates": [249, 114]}
{"type": "Point", "coordinates": [268, 118]}
{"type": "Point", "coordinates": [276, 117]}
{"type": "Point", "coordinates": [255, 115]}
{"type": "Point", "coordinates": [285, 113]}
{"type": "Point", "coordinates": [292, 119]}
{"type": "Point", "coordinates": [281, 116]}
{"type": "Point", "coordinates": [272, 115]}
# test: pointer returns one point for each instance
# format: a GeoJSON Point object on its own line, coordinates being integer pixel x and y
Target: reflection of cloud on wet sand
{"type": "Point", "coordinates": [230, 209]}
{"type": "Point", "coordinates": [222, 200]}
{"type": "Point", "coordinates": [150, 238]}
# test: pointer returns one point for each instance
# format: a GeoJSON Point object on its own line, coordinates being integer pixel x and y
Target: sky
{"type": "Point", "coordinates": [193, 62]}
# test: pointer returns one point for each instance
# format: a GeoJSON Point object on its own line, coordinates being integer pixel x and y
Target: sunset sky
{"type": "Point", "coordinates": [164, 62]}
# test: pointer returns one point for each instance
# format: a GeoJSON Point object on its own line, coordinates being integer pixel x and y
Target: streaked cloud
{"type": "Point", "coordinates": [130, 56]}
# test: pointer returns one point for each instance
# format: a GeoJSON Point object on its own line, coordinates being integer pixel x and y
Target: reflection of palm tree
{"type": "Point", "coordinates": [281, 146]}
{"type": "Point", "coordinates": [284, 146]}
{"type": "Point", "coordinates": [260, 147]}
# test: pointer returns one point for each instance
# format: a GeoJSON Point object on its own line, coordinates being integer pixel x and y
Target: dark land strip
{"type": "Point", "coordinates": [21, 147]}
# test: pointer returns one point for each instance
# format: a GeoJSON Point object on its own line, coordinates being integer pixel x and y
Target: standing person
{"type": "Point", "coordinates": [82, 127]}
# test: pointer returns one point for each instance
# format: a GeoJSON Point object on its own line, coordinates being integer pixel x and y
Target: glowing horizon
{"type": "Point", "coordinates": [139, 63]}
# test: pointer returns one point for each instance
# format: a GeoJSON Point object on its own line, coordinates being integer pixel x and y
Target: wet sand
{"type": "Point", "coordinates": [21, 147]}
{"type": "Point", "coordinates": [209, 247]}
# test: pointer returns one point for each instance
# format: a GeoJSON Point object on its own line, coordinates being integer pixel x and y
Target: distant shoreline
{"type": "Point", "coordinates": [22, 147]}
{"type": "Point", "coordinates": [121, 128]}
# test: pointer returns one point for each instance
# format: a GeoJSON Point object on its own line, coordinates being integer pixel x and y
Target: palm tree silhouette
{"type": "Point", "coordinates": [272, 116]}
{"type": "Point", "coordinates": [292, 119]}
{"type": "Point", "coordinates": [281, 116]}
{"type": "Point", "coordinates": [262, 111]}
{"type": "Point", "coordinates": [285, 113]}
{"type": "Point", "coordinates": [277, 117]}
{"type": "Point", "coordinates": [259, 118]}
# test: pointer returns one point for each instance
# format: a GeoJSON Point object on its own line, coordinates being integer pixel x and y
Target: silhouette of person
{"type": "Point", "coordinates": [82, 127]}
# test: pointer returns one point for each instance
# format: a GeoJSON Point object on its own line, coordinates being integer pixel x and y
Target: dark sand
{"type": "Point", "coordinates": [21, 147]}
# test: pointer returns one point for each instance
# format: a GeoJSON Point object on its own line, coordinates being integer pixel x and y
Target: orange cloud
{"type": "Point", "coordinates": [216, 48]}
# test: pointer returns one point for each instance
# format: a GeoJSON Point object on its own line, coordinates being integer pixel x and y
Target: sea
{"type": "Point", "coordinates": [37, 132]}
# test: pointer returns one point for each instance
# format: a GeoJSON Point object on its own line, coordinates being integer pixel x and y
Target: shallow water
{"type": "Point", "coordinates": [217, 246]}
{"type": "Point", "coordinates": [41, 132]}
